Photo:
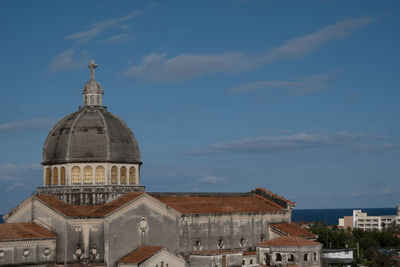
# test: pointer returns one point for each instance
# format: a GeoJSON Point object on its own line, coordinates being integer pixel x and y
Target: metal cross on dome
{"type": "Point", "coordinates": [92, 66]}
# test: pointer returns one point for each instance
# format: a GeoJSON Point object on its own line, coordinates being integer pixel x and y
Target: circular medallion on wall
{"type": "Point", "coordinates": [25, 253]}
{"type": "Point", "coordinates": [46, 251]}
{"type": "Point", "coordinates": [143, 224]}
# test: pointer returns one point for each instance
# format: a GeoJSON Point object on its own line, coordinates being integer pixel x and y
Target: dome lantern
{"type": "Point", "coordinates": [92, 91]}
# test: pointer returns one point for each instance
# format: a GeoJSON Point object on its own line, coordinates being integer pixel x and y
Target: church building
{"type": "Point", "coordinates": [93, 210]}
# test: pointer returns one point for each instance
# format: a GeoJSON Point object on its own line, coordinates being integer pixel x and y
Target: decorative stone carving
{"type": "Point", "coordinates": [143, 224]}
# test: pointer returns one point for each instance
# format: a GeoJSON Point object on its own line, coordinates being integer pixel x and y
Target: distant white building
{"type": "Point", "coordinates": [337, 257]}
{"type": "Point", "coordinates": [363, 221]}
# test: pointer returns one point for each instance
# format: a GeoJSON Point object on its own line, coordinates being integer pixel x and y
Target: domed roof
{"type": "Point", "coordinates": [92, 87]}
{"type": "Point", "coordinates": [91, 134]}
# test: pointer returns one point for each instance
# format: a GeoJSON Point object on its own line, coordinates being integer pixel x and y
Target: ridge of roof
{"type": "Point", "coordinates": [284, 241]}
{"type": "Point", "coordinates": [141, 254]}
{"type": "Point", "coordinates": [23, 231]}
{"type": "Point", "coordinates": [95, 211]}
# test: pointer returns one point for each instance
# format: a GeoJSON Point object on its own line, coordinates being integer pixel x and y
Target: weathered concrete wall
{"type": "Point", "coordinates": [21, 213]}
{"type": "Point", "coordinates": [236, 230]}
{"type": "Point", "coordinates": [27, 252]}
{"type": "Point", "coordinates": [87, 237]}
{"type": "Point", "coordinates": [55, 222]}
{"type": "Point", "coordinates": [231, 260]}
{"type": "Point", "coordinates": [128, 231]}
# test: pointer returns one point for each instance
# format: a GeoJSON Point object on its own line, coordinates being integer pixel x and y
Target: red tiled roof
{"type": "Point", "coordinates": [12, 231]}
{"type": "Point", "coordinates": [284, 241]}
{"type": "Point", "coordinates": [215, 252]}
{"type": "Point", "coordinates": [293, 229]}
{"type": "Point", "coordinates": [141, 254]}
{"type": "Point", "coordinates": [218, 203]}
{"type": "Point", "coordinates": [87, 211]}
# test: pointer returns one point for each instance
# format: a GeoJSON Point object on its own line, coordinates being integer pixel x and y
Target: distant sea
{"type": "Point", "coordinates": [329, 216]}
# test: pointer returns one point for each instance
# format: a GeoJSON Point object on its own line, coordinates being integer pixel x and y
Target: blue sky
{"type": "Point", "coordinates": [301, 98]}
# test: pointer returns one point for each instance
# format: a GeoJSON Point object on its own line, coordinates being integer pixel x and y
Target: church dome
{"type": "Point", "coordinates": [91, 135]}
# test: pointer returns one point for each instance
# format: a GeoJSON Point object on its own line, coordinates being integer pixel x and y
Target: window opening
{"type": "Point", "coordinates": [55, 176]}
{"type": "Point", "coordinates": [88, 175]}
{"type": "Point", "coordinates": [47, 178]}
{"type": "Point", "coordinates": [100, 175]}
{"type": "Point", "coordinates": [76, 175]}
{"type": "Point", "coordinates": [62, 176]}
{"type": "Point", "coordinates": [114, 175]}
{"type": "Point", "coordinates": [132, 175]}
{"type": "Point", "coordinates": [123, 175]}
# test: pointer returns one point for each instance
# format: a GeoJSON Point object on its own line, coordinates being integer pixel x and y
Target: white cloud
{"type": "Point", "coordinates": [303, 45]}
{"type": "Point", "coordinates": [379, 148]}
{"type": "Point", "coordinates": [157, 67]}
{"type": "Point", "coordinates": [27, 125]}
{"type": "Point", "coordinates": [300, 141]}
{"type": "Point", "coordinates": [302, 86]}
{"type": "Point", "coordinates": [16, 186]}
{"type": "Point", "coordinates": [211, 180]}
{"type": "Point", "coordinates": [99, 27]}
{"type": "Point", "coordinates": [12, 172]}
{"type": "Point", "coordinates": [120, 38]}
{"type": "Point", "coordinates": [69, 60]}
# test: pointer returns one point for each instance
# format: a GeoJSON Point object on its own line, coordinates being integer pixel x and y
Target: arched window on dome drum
{"type": "Point", "coordinates": [100, 175]}
{"type": "Point", "coordinates": [76, 175]}
{"type": "Point", "coordinates": [123, 175]}
{"type": "Point", "coordinates": [132, 175]}
{"type": "Point", "coordinates": [47, 176]}
{"type": "Point", "coordinates": [62, 176]}
{"type": "Point", "coordinates": [88, 175]}
{"type": "Point", "coordinates": [55, 176]}
{"type": "Point", "coordinates": [114, 175]}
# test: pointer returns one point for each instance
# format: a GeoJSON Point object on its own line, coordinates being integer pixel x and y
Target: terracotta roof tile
{"type": "Point", "coordinates": [87, 211]}
{"type": "Point", "coordinates": [292, 229]}
{"type": "Point", "coordinates": [284, 241]}
{"type": "Point", "coordinates": [141, 254]}
{"type": "Point", "coordinates": [13, 231]}
{"type": "Point", "coordinates": [215, 252]}
{"type": "Point", "coordinates": [218, 203]}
